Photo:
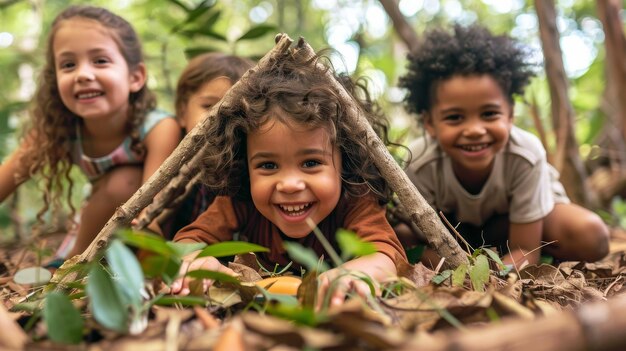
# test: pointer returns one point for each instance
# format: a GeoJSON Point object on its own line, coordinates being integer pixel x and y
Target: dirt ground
{"type": "Point", "coordinates": [539, 303]}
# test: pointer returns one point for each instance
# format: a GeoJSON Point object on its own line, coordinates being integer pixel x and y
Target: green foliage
{"type": "Point", "coordinates": [301, 316]}
{"type": "Point", "coordinates": [230, 248]}
{"type": "Point", "coordinates": [351, 245]}
{"type": "Point", "coordinates": [63, 320]}
{"type": "Point", "coordinates": [127, 271]}
{"type": "Point", "coordinates": [479, 272]}
{"type": "Point", "coordinates": [279, 298]}
{"type": "Point", "coordinates": [477, 269]}
{"type": "Point", "coordinates": [105, 301]}
{"type": "Point", "coordinates": [305, 257]}
{"type": "Point", "coordinates": [182, 300]}
{"type": "Point", "coordinates": [619, 212]}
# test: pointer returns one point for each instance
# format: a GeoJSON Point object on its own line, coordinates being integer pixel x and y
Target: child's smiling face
{"type": "Point", "coordinates": [201, 101]}
{"type": "Point", "coordinates": [471, 119]}
{"type": "Point", "coordinates": [295, 173]}
{"type": "Point", "coordinates": [93, 77]}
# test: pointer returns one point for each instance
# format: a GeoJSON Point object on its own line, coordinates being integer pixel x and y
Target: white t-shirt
{"type": "Point", "coordinates": [522, 183]}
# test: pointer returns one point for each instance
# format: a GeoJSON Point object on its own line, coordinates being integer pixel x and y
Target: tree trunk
{"type": "Point", "coordinates": [402, 27]}
{"type": "Point", "coordinates": [566, 158]}
{"type": "Point", "coordinates": [615, 47]}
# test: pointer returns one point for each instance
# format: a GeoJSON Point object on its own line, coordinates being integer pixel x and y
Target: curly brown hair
{"type": "Point", "coordinates": [294, 89]}
{"type": "Point", "coordinates": [53, 130]}
{"type": "Point", "coordinates": [204, 68]}
{"type": "Point", "coordinates": [464, 51]}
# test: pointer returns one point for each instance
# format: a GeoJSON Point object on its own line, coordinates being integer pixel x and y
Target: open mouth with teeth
{"type": "Point", "coordinates": [475, 147]}
{"type": "Point", "coordinates": [295, 210]}
{"type": "Point", "coordinates": [89, 95]}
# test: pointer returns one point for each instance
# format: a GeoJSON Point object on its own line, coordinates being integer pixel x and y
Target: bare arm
{"type": "Point", "coordinates": [8, 169]}
{"type": "Point", "coordinates": [524, 238]}
{"type": "Point", "coordinates": [160, 142]}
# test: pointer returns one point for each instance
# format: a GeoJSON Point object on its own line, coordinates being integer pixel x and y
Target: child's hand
{"type": "Point", "coordinates": [340, 282]}
{"type": "Point", "coordinates": [191, 263]}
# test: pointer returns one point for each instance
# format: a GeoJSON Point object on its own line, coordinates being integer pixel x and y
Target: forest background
{"type": "Point", "coordinates": [370, 40]}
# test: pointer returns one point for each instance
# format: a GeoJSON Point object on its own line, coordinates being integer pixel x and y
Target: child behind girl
{"type": "Point", "coordinates": [93, 109]}
{"type": "Point", "coordinates": [283, 153]}
{"type": "Point", "coordinates": [475, 165]}
{"type": "Point", "coordinates": [202, 84]}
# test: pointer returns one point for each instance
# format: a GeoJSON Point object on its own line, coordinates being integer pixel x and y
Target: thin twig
{"type": "Point", "coordinates": [469, 248]}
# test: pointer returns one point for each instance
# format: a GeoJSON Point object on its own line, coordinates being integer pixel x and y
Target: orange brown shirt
{"type": "Point", "coordinates": [362, 215]}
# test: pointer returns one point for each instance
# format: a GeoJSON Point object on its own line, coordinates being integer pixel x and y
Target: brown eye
{"type": "Point", "coordinates": [267, 165]}
{"type": "Point", "coordinates": [310, 163]}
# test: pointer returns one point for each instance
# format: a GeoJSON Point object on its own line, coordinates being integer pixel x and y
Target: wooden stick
{"type": "Point", "coordinates": [169, 197]}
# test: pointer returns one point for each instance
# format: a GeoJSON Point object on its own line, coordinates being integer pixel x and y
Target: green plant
{"type": "Point", "coordinates": [477, 270]}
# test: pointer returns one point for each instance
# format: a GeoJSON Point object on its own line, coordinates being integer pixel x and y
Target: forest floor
{"type": "Point", "coordinates": [573, 306]}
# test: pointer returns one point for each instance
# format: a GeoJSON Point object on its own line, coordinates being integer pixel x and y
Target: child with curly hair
{"type": "Point", "coordinates": [93, 109]}
{"type": "Point", "coordinates": [201, 85]}
{"type": "Point", "coordinates": [283, 153]}
{"type": "Point", "coordinates": [478, 168]}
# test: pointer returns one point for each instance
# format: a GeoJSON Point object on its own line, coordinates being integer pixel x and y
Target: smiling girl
{"type": "Point", "coordinates": [92, 109]}
{"type": "Point", "coordinates": [283, 154]}
{"type": "Point", "coordinates": [476, 166]}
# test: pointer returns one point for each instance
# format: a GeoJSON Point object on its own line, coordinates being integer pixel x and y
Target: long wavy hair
{"type": "Point", "coordinates": [294, 89]}
{"type": "Point", "coordinates": [53, 129]}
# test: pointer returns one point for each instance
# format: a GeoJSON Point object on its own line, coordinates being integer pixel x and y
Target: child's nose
{"type": "Point", "coordinates": [290, 183]}
{"type": "Point", "coordinates": [84, 74]}
{"type": "Point", "coordinates": [474, 129]}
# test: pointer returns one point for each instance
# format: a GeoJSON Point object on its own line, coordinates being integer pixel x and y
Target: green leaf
{"type": "Point", "coordinates": [257, 31]}
{"type": "Point", "coordinates": [106, 304]}
{"type": "Point", "coordinates": [127, 271]}
{"type": "Point", "coordinates": [280, 298]}
{"type": "Point", "coordinates": [180, 4]}
{"type": "Point", "coordinates": [441, 277]}
{"type": "Point", "coordinates": [458, 277]}
{"type": "Point", "coordinates": [230, 248]}
{"type": "Point", "coordinates": [351, 245]}
{"type": "Point", "coordinates": [205, 32]}
{"type": "Point", "coordinates": [302, 316]}
{"type": "Point", "coordinates": [210, 33]}
{"type": "Point", "coordinates": [196, 51]}
{"type": "Point", "coordinates": [161, 266]}
{"type": "Point", "coordinates": [182, 249]}
{"type": "Point", "coordinates": [199, 10]}
{"type": "Point", "coordinates": [494, 257]}
{"type": "Point", "coordinates": [213, 275]}
{"type": "Point", "coordinates": [63, 320]}
{"type": "Point", "coordinates": [479, 273]}
{"type": "Point", "coordinates": [210, 22]}
{"type": "Point", "coordinates": [158, 266]}
{"type": "Point", "coordinates": [146, 241]}
{"type": "Point", "coordinates": [305, 257]}
{"type": "Point", "coordinates": [183, 300]}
